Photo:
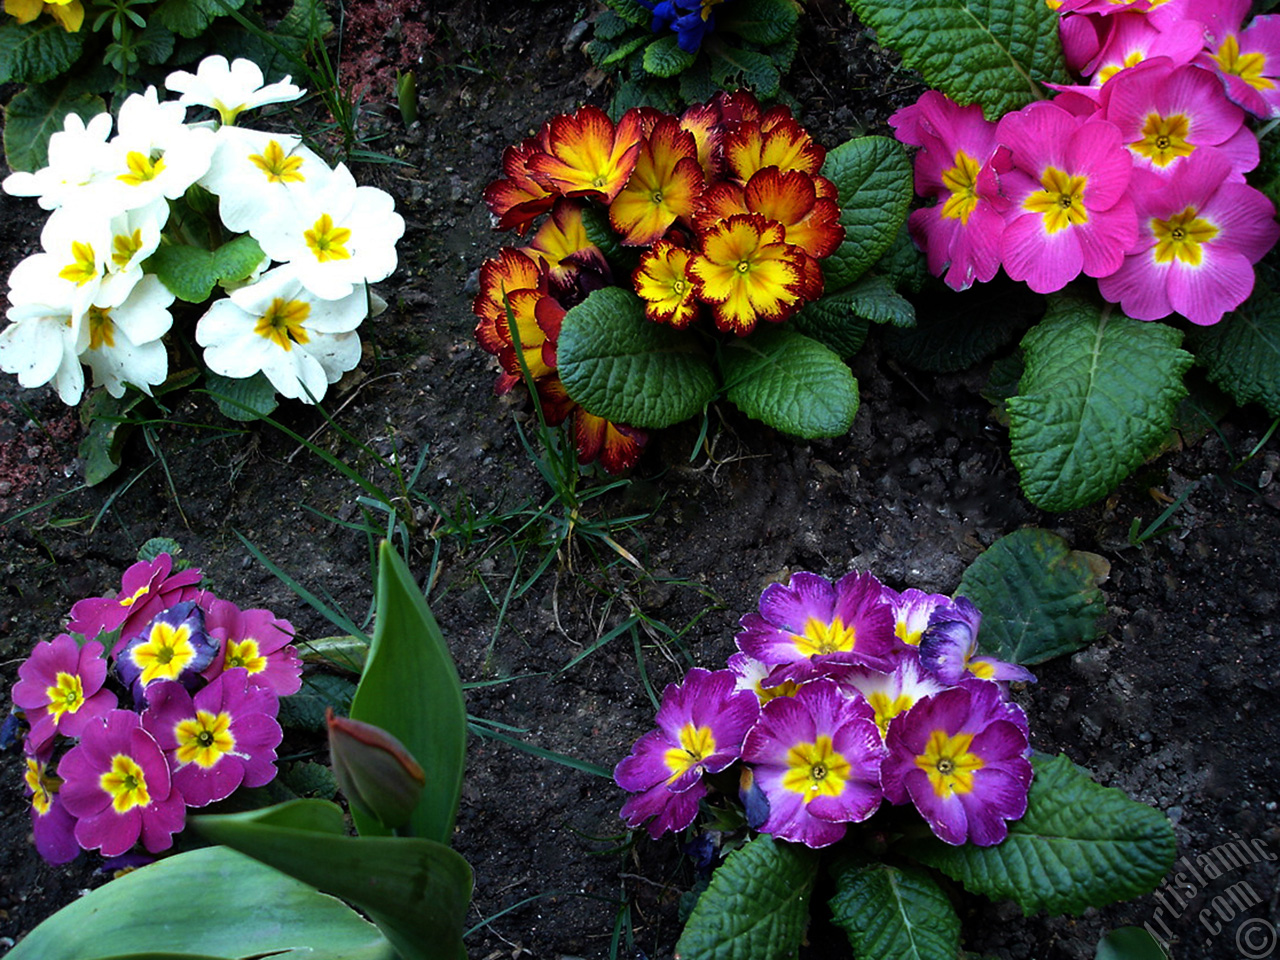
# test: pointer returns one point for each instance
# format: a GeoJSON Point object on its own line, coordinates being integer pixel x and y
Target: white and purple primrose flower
{"type": "Point", "coordinates": [949, 648]}
{"type": "Point", "coordinates": [174, 646]}
{"type": "Point", "coordinates": [701, 724]}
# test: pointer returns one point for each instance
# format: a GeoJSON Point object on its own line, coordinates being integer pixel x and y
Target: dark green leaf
{"type": "Point", "coordinates": [242, 398]}
{"type": "Point", "coordinates": [36, 114]}
{"type": "Point", "coordinates": [731, 66]}
{"type": "Point", "coordinates": [664, 58]}
{"type": "Point", "coordinates": [904, 264]}
{"type": "Point", "coordinates": [894, 912]}
{"type": "Point", "coordinates": [190, 18]}
{"type": "Point", "coordinates": [759, 21]}
{"type": "Point", "coordinates": [1241, 354]}
{"type": "Point", "coordinates": [37, 51]}
{"type": "Point", "coordinates": [954, 331]}
{"type": "Point", "coordinates": [833, 323]}
{"type": "Point", "coordinates": [873, 176]}
{"type": "Point", "coordinates": [304, 710]}
{"type": "Point", "coordinates": [1129, 943]}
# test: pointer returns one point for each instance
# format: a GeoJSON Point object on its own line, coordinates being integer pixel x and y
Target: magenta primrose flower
{"type": "Point", "coordinates": [961, 758]}
{"type": "Point", "coordinates": [912, 609]}
{"type": "Point", "coordinates": [701, 724]}
{"type": "Point", "coordinates": [811, 625]}
{"type": "Point", "coordinates": [961, 233]}
{"type": "Point", "coordinates": [949, 648]}
{"type": "Point", "coordinates": [1199, 238]}
{"type": "Point", "coordinates": [60, 688]}
{"type": "Point", "coordinates": [1132, 38]}
{"type": "Point", "coordinates": [1248, 58]}
{"type": "Point", "coordinates": [51, 826]}
{"type": "Point", "coordinates": [223, 737]}
{"type": "Point", "coordinates": [253, 639]}
{"type": "Point", "coordinates": [117, 785]}
{"type": "Point", "coordinates": [145, 590]}
{"type": "Point", "coordinates": [174, 646]}
{"type": "Point", "coordinates": [816, 758]}
{"type": "Point", "coordinates": [1069, 206]}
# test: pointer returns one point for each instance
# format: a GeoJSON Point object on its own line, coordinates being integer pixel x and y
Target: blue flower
{"type": "Point", "coordinates": [691, 20]}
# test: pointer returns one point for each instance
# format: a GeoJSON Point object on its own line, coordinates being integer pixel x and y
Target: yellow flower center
{"type": "Point", "coordinates": [244, 653]}
{"type": "Point", "coordinates": [278, 166]}
{"type": "Point", "coordinates": [165, 653]}
{"type": "Point", "coordinates": [696, 744]}
{"type": "Point", "coordinates": [1164, 139]}
{"type": "Point", "coordinates": [125, 248]}
{"type": "Point", "coordinates": [949, 764]}
{"type": "Point", "coordinates": [819, 638]}
{"type": "Point", "coordinates": [962, 181]}
{"type": "Point", "coordinates": [102, 331]}
{"type": "Point", "coordinates": [1181, 237]}
{"type": "Point", "coordinates": [283, 323]}
{"type": "Point", "coordinates": [1061, 201]}
{"type": "Point", "coordinates": [43, 786]}
{"type": "Point", "coordinates": [326, 240]}
{"type": "Point", "coordinates": [126, 783]}
{"type": "Point", "coordinates": [141, 168]}
{"type": "Point", "coordinates": [137, 595]}
{"type": "Point", "coordinates": [1249, 67]}
{"type": "Point", "coordinates": [204, 740]}
{"type": "Point", "coordinates": [787, 688]}
{"type": "Point", "coordinates": [816, 769]}
{"type": "Point", "coordinates": [1132, 59]}
{"type": "Point", "coordinates": [83, 266]}
{"type": "Point", "coordinates": [887, 707]}
{"type": "Point", "coordinates": [65, 696]}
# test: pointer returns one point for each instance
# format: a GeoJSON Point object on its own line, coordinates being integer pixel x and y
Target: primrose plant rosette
{"type": "Point", "coordinates": [88, 298]}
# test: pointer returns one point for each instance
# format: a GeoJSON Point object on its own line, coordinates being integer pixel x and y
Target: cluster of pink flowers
{"type": "Point", "coordinates": [842, 695]}
{"type": "Point", "coordinates": [1136, 176]}
{"type": "Point", "coordinates": [201, 680]}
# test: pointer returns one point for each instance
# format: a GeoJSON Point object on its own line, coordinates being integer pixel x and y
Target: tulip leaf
{"type": "Point", "coordinates": [790, 382]}
{"type": "Point", "coordinates": [1079, 845]}
{"type": "Point", "coordinates": [1039, 598]}
{"type": "Point", "coordinates": [191, 272]}
{"type": "Point", "coordinates": [993, 52]}
{"type": "Point", "coordinates": [757, 905]}
{"type": "Point", "coordinates": [1097, 397]}
{"type": "Point", "coordinates": [873, 176]}
{"type": "Point", "coordinates": [417, 891]}
{"type": "Point", "coordinates": [1241, 354]}
{"type": "Point", "coordinates": [621, 366]}
{"type": "Point", "coordinates": [891, 911]}
{"type": "Point", "coordinates": [208, 903]}
{"type": "Point", "coordinates": [410, 689]}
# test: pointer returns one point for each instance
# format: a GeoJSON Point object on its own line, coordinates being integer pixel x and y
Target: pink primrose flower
{"type": "Point", "coordinates": [52, 827]}
{"type": "Point", "coordinates": [1199, 236]}
{"type": "Point", "coordinates": [1248, 59]}
{"type": "Point", "coordinates": [961, 757]}
{"type": "Point", "coordinates": [701, 724]}
{"type": "Point", "coordinates": [949, 648]}
{"type": "Point", "coordinates": [117, 785]}
{"type": "Point", "coordinates": [811, 625]}
{"type": "Point", "coordinates": [60, 688]}
{"type": "Point", "coordinates": [816, 758]}
{"type": "Point", "coordinates": [145, 590]}
{"type": "Point", "coordinates": [223, 737]}
{"type": "Point", "coordinates": [1067, 186]}
{"type": "Point", "coordinates": [255, 640]}
{"type": "Point", "coordinates": [961, 233]}
{"type": "Point", "coordinates": [1131, 39]}
{"type": "Point", "coordinates": [1167, 112]}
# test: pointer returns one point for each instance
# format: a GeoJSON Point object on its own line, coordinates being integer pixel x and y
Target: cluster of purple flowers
{"type": "Point", "coordinates": [842, 696]}
{"type": "Point", "coordinates": [201, 679]}
{"type": "Point", "coordinates": [1136, 176]}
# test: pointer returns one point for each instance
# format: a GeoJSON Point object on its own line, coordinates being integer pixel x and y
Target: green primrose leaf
{"type": "Point", "coordinates": [1079, 845]}
{"type": "Point", "coordinates": [410, 689]}
{"type": "Point", "coordinates": [609, 25]}
{"type": "Point", "coordinates": [832, 322]}
{"type": "Point", "coordinates": [892, 911]}
{"type": "Point", "coordinates": [1097, 397]}
{"type": "Point", "coordinates": [873, 176]}
{"type": "Point", "coordinates": [763, 22]}
{"type": "Point", "coordinates": [1241, 354]}
{"type": "Point", "coordinates": [417, 891]}
{"type": "Point", "coordinates": [874, 298]}
{"type": "Point", "coordinates": [201, 890]}
{"type": "Point", "coordinates": [731, 65]}
{"type": "Point", "coordinates": [242, 398]}
{"type": "Point", "coordinates": [904, 265]}
{"type": "Point", "coordinates": [279, 51]}
{"type": "Point", "coordinates": [190, 18]}
{"type": "Point", "coordinates": [631, 11]}
{"type": "Point", "coordinates": [36, 114]}
{"type": "Point", "coordinates": [664, 58]}
{"type": "Point", "coordinates": [954, 331]}
{"type": "Point", "coordinates": [37, 51]}
{"type": "Point", "coordinates": [304, 710]}
{"type": "Point", "coordinates": [757, 906]}
{"type": "Point", "coordinates": [790, 382]}
{"type": "Point", "coordinates": [191, 272]}
{"type": "Point", "coordinates": [1129, 943]}
{"type": "Point", "coordinates": [1039, 598]}
{"type": "Point", "coordinates": [996, 53]}
{"type": "Point", "coordinates": [621, 366]}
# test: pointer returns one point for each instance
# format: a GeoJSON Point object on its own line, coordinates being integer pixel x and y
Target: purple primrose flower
{"type": "Point", "coordinates": [174, 646]}
{"type": "Point", "coordinates": [51, 826]}
{"type": "Point", "coordinates": [60, 688]}
{"type": "Point", "coordinates": [145, 590]}
{"type": "Point", "coordinates": [255, 640]}
{"type": "Point", "coordinates": [949, 648]}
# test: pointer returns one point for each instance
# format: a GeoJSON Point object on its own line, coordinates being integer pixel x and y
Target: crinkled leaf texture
{"type": "Point", "coordinates": [36, 114]}
{"type": "Point", "coordinates": [1079, 845]}
{"type": "Point", "coordinates": [759, 21]}
{"type": "Point", "coordinates": [992, 52]}
{"type": "Point", "coordinates": [757, 906]}
{"type": "Point", "coordinates": [891, 911]}
{"type": "Point", "coordinates": [1098, 395]}
{"type": "Point", "coordinates": [621, 366]}
{"type": "Point", "coordinates": [953, 331]}
{"type": "Point", "coordinates": [873, 176]}
{"type": "Point", "coordinates": [1242, 353]}
{"type": "Point", "coordinates": [209, 903]}
{"type": "Point", "coordinates": [190, 18]}
{"type": "Point", "coordinates": [37, 51]}
{"type": "Point", "coordinates": [242, 398]}
{"type": "Point", "coordinates": [664, 58]}
{"type": "Point", "coordinates": [792, 383]}
{"type": "Point", "coordinates": [1039, 598]}
{"type": "Point", "coordinates": [191, 272]}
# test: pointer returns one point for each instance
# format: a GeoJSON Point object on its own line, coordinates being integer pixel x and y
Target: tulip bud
{"type": "Point", "coordinates": [378, 775]}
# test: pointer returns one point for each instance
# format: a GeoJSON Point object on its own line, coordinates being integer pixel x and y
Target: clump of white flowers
{"type": "Point", "coordinates": [134, 226]}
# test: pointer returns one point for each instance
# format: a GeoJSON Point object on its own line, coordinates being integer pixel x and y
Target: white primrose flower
{"type": "Point", "coordinates": [43, 343]}
{"type": "Point", "coordinates": [301, 341]}
{"type": "Point", "coordinates": [340, 235]}
{"type": "Point", "coordinates": [257, 177]}
{"type": "Point", "coordinates": [77, 249]}
{"type": "Point", "coordinates": [124, 341]}
{"type": "Point", "coordinates": [133, 236]}
{"type": "Point", "coordinates": [154, 152]}
{"type": "Point", "coordinates": [77, 152]}
{"type": "Point", "coordinates": [230, 88]}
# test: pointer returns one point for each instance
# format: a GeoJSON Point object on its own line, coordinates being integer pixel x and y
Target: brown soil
{"type": "Point", "coordinates": [1177, 704]}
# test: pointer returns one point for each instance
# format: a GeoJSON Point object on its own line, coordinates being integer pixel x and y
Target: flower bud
{"type": "Point", "coordinates": [378, 775]}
